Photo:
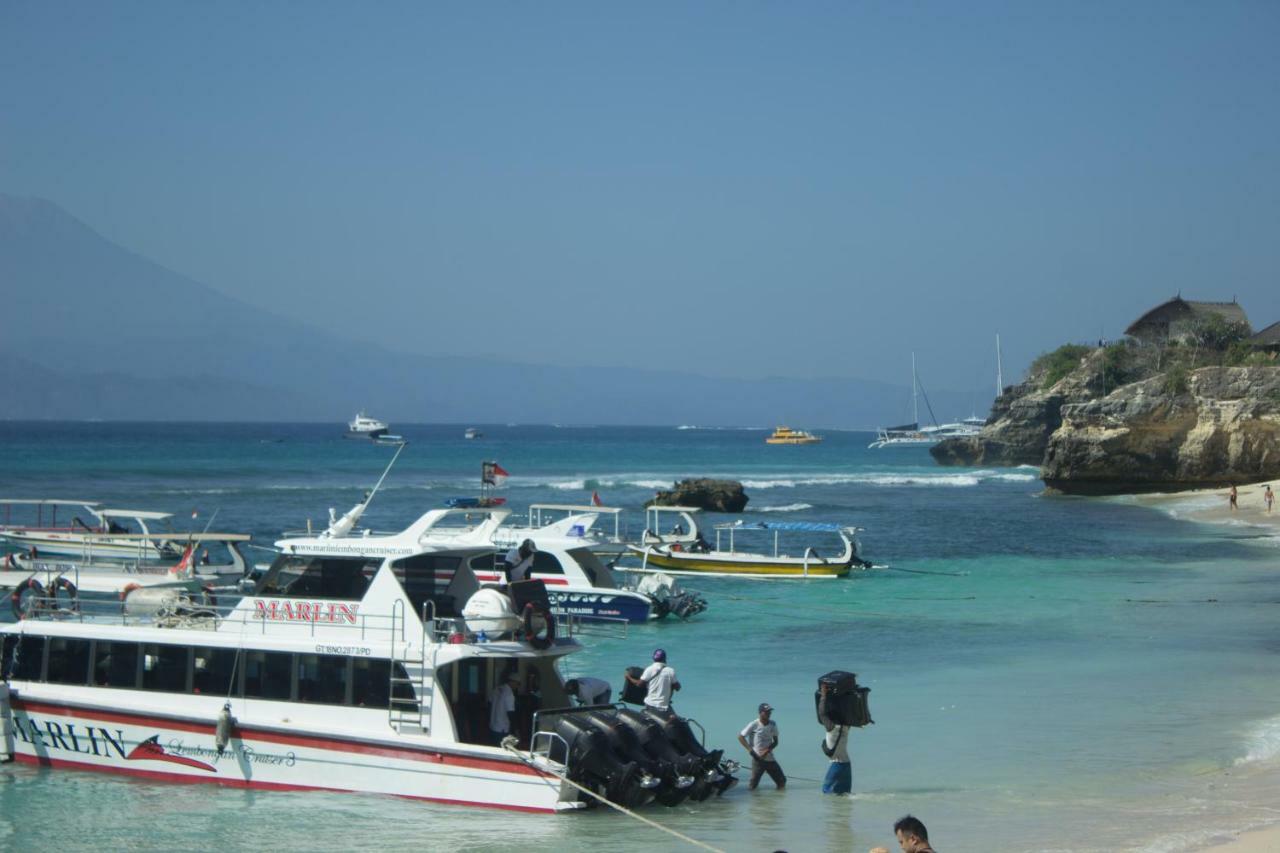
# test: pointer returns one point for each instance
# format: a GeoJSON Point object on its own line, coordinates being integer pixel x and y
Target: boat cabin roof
{"type": "Point", "coordinates": [132, 513]}
{"type": "Point", "coordinates": [806, 526]}
{"type": "Point", "coordinates": [42, 502]}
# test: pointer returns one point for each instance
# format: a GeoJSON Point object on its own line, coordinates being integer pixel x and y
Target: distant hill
{"type": "Point", "coordinates": [93, 330]}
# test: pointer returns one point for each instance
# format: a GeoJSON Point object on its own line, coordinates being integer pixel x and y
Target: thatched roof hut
{"type": "Point", "coordinates": [1268, 339]}
{"type": "Point", "coordinates": [1175, 318]}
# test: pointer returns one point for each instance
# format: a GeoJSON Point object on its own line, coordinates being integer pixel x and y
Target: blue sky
{"type": "Point", "coordinates": [738, 189]}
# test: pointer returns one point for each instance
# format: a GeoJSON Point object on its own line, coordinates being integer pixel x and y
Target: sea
{"type": "Point", "coordinates": [1047, 673]}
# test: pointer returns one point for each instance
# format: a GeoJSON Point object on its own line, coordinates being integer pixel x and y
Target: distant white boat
{"type": "Point", "coordinates": [112, 533]}
{"type": "Point", "coordinates": [914, 435]}
{"type": "Point", "coordinates": [364, 426]}
{"type": "Point", "coordinates": [472, 432]}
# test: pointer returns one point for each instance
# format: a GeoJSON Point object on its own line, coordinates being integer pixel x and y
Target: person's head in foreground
{"type": "Point", "coordinates": [912, 836]}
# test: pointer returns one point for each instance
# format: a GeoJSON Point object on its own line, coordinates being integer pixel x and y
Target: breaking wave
{"type": "Point", "coordinates": [1262, 742]}
{"type": "Point", "coordinates": [797, 507]}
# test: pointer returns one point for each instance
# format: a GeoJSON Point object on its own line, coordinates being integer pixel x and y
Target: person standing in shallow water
{"type": "Point", "coordinates": [1231, 497]}
{"type": "Point", "coordinates": [1268, 497]}
{"type": "Point", "coordinates": [835, 746]}
{"type": "Point", "coordinates": [760, 737]}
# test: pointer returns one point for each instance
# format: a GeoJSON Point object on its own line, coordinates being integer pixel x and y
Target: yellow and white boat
{"type": "Point", "coordinates": [787, 435]}
{"type": "Point", "coordinates": [701, 558]}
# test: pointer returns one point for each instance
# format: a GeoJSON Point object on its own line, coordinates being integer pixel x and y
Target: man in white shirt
{"type": "Point", "coordinates": [835, 745]}
{"type": "Point", "coordinates": [502, 707]}
{"type": "Point", "coordinates": [760, 737]}
{"type": "Point", "coordinates": [521, 560]}
{"type": "Point", "coordinates": [660, 680]}
{"type": "Point", "coordinates": [589, 691]}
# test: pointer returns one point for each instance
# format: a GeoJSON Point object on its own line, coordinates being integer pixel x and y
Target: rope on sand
{"type": "Point", "coordinates": [509, 744]}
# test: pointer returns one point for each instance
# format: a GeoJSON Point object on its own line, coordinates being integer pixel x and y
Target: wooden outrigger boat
{"type": "Point", "coordinates": [725, 559]}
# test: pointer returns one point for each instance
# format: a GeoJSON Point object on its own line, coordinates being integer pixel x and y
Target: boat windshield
{"type": "Point", "coordinates": [340, 578]}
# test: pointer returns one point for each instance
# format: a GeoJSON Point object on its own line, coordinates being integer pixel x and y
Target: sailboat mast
{"type": "Point", "coordinates": [999, 369]}
{"type": "Point", "coordinates": [915, 393]}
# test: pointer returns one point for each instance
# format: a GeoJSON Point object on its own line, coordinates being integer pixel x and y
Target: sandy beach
{"type": "Point", "coordinates": [1212, 506]}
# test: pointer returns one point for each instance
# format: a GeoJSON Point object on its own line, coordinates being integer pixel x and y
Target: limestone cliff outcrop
{"type": "Point", "coordinates": [711, 495]}
{"type": "Point", "coordinates": [1202, 428]}
{"type": "Point", "coordinates": [1224, 428]}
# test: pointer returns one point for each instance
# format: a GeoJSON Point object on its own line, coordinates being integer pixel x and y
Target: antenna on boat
{"type": "Point", "coordinates": [343, 526]}
{"type": "Point", "coordinates": [915, 393]}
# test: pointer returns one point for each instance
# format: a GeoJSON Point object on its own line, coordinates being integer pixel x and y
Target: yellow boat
{"type": "Point", "coordinates": [701, 558]}
{"type": "Point", "coordinates": [787, 435]}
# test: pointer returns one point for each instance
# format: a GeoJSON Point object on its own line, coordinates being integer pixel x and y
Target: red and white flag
{"type": "Point", "coordinates": [595, 499]}
{"type": "Point", "coordinates": [493, 474]}
{"type": "Point", "coordinates": [184, 565]}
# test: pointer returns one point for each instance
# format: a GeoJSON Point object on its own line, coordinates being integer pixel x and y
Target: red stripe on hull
{"type": "Point", "coordinates": [312, 741]}
{"type": "Point", "coordinates": [161, 776]}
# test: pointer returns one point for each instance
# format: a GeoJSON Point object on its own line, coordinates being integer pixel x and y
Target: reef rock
{"type": "Point", "coordinates": [711, 495]}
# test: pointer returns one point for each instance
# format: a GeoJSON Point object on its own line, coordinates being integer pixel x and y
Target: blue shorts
{"type": "Point", "coordinates": [839, 778]}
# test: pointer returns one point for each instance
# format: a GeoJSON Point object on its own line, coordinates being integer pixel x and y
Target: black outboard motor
{"type": "Point", "coordinates": [677, 731]}
{"type": "Point", "coordinates": [690, 770]}
{"type": "Point", "coordinates": [669, 786]}
{"type": "Point", "coordinates": [593, 764]}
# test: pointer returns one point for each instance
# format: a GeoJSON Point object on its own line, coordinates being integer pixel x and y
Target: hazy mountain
{"type": "Point", "coordinates": [93, 330]}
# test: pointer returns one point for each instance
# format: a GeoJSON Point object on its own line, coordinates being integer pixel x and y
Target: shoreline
{"type": "Point", "coordinates": [1210, 506]}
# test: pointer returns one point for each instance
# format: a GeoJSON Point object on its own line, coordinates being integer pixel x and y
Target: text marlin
{"type": "Point", "coordinates": [275, 610]}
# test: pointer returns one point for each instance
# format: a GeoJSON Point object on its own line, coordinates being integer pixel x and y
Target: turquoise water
{"type": "Point", "coordinates": [1046, 673]}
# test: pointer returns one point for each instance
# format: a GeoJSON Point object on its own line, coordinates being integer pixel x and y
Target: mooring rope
{"type": "Point", "coordinates": [509, 744]}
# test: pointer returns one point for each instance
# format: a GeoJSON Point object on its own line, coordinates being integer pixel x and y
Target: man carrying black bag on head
{"type": "Point", "coordinates": [839, 778]}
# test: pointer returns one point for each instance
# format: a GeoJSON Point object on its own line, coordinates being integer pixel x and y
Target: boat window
{"type": "Point", "coordinates": [213, 671]}
{"type": "Point", "coordinates": [426, 577]}
{"type": "Point", "coordinates": [546, 564]}
{"type": "Point", "coordinates": [115, 664]}
{"type": "Point", "coordinates": [24, 657]}
{"type": "Point", "coordinates": [165, 667]}
{"type": "Point", "coordinates": [68, 661]}
{"type": "Point", "coordinates": [486, 563]}
{"type": "Point", "coordinates": [268, 675]}
{"type": "Point", "coordinates": [340, 578]}
{"type": "Point", "coordinates": [370, 683]}
{"type": "Point", "coordinates": [323, 679]}
{"type": "Point", "coordinates": [591, 566]}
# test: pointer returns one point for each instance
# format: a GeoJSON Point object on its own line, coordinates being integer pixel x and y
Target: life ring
{"type": "Point", "coordinates": [15, 599]}
{"type": "Point", "coordinates": [128, 588]}
{"type": "Point", "coordinates": [548, 622]}
{"type": "Point", "coordinates": [72, 593]}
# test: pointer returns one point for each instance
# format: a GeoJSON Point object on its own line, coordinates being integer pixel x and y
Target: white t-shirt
{"type": "Point", "coordinates": [592, 690]}
{"type": "Point", "coordinates": [659, 677]}
{"type": "Point", "coordinates": [838, 742]}
{"type": "Point", "coordinates": [504, 703]}
{"type": "Point", "coordinates": [761, 736]}
{"type": "Point", "coordinates": [519, 568]}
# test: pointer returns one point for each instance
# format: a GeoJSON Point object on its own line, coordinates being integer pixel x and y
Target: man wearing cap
{"type": "Point", "coordinates": [760, 737]}
{"type": "Point", "coordinates": [660, 680]}
{"type": "Point", "coordinates": [503, 707]}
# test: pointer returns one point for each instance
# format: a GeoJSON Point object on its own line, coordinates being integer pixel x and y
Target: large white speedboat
{"type": "Point", "coordinates": [124, 533]}
{"type": "Point", "coordinates": [358, 663]}
{"type": "Point", "coordinates": [363, 426]}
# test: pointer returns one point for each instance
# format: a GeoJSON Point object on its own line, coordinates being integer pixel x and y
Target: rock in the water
{"type": "Point", "coordinates": [711, 495]}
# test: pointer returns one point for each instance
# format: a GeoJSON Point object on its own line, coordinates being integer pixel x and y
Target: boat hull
{"type": "Point", "coordinates": [684, 561]}
{"type": "Point", "coordinates": [84, 545]}
{"type": "Point", "coordinates": [56, 734]}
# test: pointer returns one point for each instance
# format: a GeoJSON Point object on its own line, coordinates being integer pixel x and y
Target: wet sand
{"type": "Point", "coordinates": [1213, 506]}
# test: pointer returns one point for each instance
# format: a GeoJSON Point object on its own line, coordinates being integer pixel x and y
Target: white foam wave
{"type": "Point", "coordinates": [889, 478]}
{"type": "Point", "coordinates": [1262, 742]}
{"type": "Point", "coordinates": [796, 507]}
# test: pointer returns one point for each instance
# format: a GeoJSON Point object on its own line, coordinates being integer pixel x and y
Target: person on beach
{"type": "Point", "coordinates": [1231, 498]}
{"type": "Point", "coordinates": [1268, 496]}
{"type": "Point", "coordinates": [760, 737]}
{"type": "Point", "coordinates": [589, 691]}
{"type": "Point", "coordinates": [835, 746]}
{"type": "Point", "coordinates": [912, 837]}
{"type": "Point", "coordinates": [660, 680]}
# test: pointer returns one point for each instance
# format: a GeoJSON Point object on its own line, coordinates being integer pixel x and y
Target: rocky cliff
{"type": "Point", "coordinates": [1208, 428]}
{"type": "Point", "coordinates": [711, 495]}
{"type": "Point", "coordinates": [1223, 428]}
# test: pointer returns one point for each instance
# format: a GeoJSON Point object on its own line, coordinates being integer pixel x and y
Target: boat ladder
{"type": "Point", "coordinates": [411, 679]}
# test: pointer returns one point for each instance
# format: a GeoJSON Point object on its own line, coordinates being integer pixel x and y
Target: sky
{"type": "Point", "coordinates": [733, 189]}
